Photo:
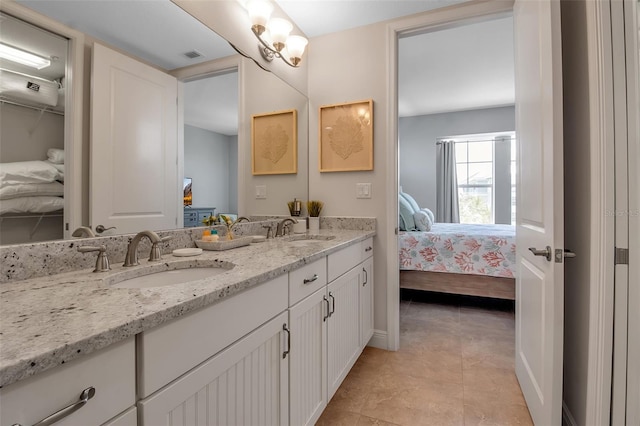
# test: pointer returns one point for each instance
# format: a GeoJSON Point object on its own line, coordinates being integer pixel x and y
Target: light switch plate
{"type": "Point", "coordinates": [261, 192]}
{"type": "Point", "coordinates": [363, 190]}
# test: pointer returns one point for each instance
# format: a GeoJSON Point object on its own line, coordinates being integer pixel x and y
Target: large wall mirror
{"type": "Point", "coordinates": [215, 157]}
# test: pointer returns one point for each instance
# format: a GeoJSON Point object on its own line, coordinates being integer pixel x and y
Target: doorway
{"type": "Point", "coordinates": [210, 155]}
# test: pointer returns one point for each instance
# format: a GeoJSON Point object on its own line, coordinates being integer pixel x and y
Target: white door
{"type": "Point", "coordinates": [366, 302]}
{"type": "Point", "coordinates": [246, 384]}
{"type": "Point", "coordinates": [134, 145]}
{"type": "Point", "coordinates": [343, 328]}
{"type": "Point", "coordinates": [308, 358]}
{"type": "Point", "coordinates": [540, 214]}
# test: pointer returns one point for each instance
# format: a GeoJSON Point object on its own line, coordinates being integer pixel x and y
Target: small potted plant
{"type": "Point", "coordinates": [314, 208]}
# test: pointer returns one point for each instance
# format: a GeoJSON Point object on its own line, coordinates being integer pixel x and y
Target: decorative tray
{"type": "Point", "coordinates": [224, 244]}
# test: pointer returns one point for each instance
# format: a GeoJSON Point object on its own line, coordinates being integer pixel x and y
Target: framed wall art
{"type": "Point", "coordinates": [346, 137]}
{"type": "Point", "coordinates": [274, 143]}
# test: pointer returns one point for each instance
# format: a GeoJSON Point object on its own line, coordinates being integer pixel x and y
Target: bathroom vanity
{"type": "Point", "coordinates": [266, 342]}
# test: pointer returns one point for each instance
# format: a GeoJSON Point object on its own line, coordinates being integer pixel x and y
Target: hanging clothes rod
{"type": "Point", "coordinates": [501, 139]}
{"type": "Point", "coordinates": [40, 109]}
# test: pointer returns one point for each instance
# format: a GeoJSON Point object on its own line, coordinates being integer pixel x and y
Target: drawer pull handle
{"type": "Point", "coordinates": [366, 277]}
{"type": "Point", "coordinates": [333, 304]}
{"type": "Point", "coordinates": [310, 280]}
{"type": "Point", "coordinates": [85, 396]}
{"type": "Point", "coordinates": [286, 330]}
{"type": "Point", "coordinates": [328, 309]}
{"type": "Point", "coordinates": [368, 248]}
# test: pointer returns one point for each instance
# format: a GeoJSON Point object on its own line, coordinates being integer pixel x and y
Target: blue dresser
{"type": "Point", "coordinates": [193, 216]}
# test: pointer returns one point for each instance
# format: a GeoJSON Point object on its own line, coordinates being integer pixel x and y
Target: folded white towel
{"type": "Point", "coordinates": [56, 156]}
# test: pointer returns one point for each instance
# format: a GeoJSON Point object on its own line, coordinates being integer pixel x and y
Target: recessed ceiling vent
{"type": "Point", "coordinates": [193, 54]}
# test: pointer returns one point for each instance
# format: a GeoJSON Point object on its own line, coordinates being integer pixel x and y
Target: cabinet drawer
{"type": "Point", "coordinates": [172, 349]}
{"type": "Point", "coordinates": [110, 371]}
{"type": "Point", "coordinates": [204, 214]}
{"type": "Point", "coordinates": [367, 248]}
{"type": "Point", "coordinates": [306, 280]}
{"type": "Point", "coordinates": [341, 261]}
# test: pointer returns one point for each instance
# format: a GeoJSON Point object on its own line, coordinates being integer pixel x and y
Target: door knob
{"type": "Point", "coordinates": [546, 253]}
{"type": "Point", "coordinates": [563, 254]}
{"type": "Point", "coordinates": [100, 228]}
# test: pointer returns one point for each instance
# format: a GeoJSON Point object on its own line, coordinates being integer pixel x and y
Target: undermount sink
{"type": "Point", "coordinates": [303, 239]}
{"type": "Point", "coordinates": [164, 274]}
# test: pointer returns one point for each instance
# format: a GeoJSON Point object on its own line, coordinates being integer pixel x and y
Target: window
{"type": "Point", "coordinates": [486, 166]}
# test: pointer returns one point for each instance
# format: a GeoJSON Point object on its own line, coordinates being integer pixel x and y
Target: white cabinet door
{"type": "Point", "coordinates": [343, 333]}
{"type": "Point", "coordinates": [366, 301]}
{"type": "Point", "coordinates": [308, 362]}
{"type": "Point", "coordinates": [246, 384]}
{"type": "Point", "coordinates": [134, 145]}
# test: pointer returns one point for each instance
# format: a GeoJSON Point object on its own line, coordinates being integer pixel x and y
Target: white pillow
{"type": "Point", "coordinates": [31, 205]}
{"type": "Point", "coordinates": [27, 172]}
{"type": "Point", "coordinates": [423, 221]}
{"type": "Point", "coordinates": [53, 189]}
{"type": "Point", "coordinates": [56, 156]}
{"type": "Point", "coordinates": [60, 169]}
{"type": "Point", "coordinates": [430, 214]}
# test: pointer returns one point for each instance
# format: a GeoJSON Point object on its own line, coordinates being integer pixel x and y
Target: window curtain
{"type": "Point", "coordinates": [446, 183]}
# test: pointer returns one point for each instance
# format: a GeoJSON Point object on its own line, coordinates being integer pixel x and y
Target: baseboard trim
{"type": "Point", "coordinates": [567, 418]}
{"type": "Point", "coordinates": [379, 340]}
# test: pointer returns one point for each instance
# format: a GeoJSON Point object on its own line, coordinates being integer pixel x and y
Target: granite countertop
{"type": "Point", "coordinates": [52, 320]}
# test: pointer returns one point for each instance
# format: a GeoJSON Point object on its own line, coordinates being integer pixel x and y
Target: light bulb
{"type": "Point", "coordinates": [279, 30]}
{"type": "Point", "coordinates": [259, 14]}
{"type": "Point", "coordinates": [295, 47]}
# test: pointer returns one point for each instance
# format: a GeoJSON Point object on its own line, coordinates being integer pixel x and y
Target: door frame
{"type": "Point", "coordinates": [601, 304]}
{"type": "Point", "coordinates": [204, 70]}
{"type": "Point", "coordinates": [435, 20]}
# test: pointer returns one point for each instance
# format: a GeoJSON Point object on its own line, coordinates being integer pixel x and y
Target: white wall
{"type": "Point", "coordinates": [262, 93]}
{"type": "Point", "coordinates": [350, 66]}
{"type": "Point", "coordinates": [206, 161]}
{"type": "Point", "coordinates": [417, 140]}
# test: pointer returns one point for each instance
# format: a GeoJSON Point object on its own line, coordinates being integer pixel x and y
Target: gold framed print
{"type": "Point", "coordinates": [346, 137]}
{"type": "Point", "coordinates": [274, 143]}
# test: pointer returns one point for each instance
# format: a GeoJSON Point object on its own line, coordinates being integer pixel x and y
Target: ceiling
{"type": "Point", "coordinates": [212, 103]}
{"type": "Point", "coordinates": [460, 68]}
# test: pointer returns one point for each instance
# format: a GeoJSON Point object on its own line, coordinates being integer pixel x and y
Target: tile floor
{"type": "Point", "coordinates": [455, 366]}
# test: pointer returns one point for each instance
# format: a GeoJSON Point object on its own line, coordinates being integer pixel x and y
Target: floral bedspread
{"type": "Point", "coordinates": [460, 248]}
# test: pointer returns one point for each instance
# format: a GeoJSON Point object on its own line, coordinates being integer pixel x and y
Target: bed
{"type": "Point", "coordinates": [476, 260]}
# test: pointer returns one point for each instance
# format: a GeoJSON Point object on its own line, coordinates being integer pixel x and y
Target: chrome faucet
{"type": "Point", "coordinates": [131, 259]}
{"type": "Point", "coordinates": [102, 262]}
{"type": "Point", "coordinates": [83, 231]}
{"type": "Point", "coordinates": [282, 225]}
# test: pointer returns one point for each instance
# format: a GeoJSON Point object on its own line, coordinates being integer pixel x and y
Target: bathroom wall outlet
{"type": "Point", "coordinates": [261, 192]}
{"type": "Point", "coordinates": [363, 190]}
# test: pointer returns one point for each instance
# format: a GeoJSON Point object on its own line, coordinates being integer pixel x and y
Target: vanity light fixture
{"type": "Point", "coordinates": [23, 57]}
{"type": "Point", "coordinates": [273, 34]}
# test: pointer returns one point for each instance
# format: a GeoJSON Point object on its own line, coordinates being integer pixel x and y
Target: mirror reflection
{"type": "Point", "coordinates": [220, 177]}
{"type": "Point", "coordinates": [32, 83]}
{"type": "Point", "coordinates": [210, 147]}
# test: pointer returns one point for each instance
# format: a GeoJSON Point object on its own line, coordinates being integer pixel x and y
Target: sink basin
{"type": "Point", "coordinates": [160, 279]}
{"type": "Point", "coordinates": [164, 274]}
{"type": "Point", "coordinates": [310, 237]}
{"type": "Point", "coordinates": [306, 239]}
